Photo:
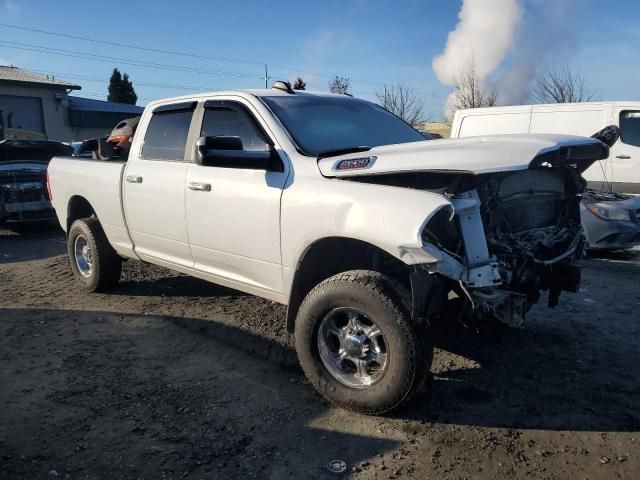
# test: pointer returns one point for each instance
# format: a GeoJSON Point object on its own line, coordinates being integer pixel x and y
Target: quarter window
{"type": "Point", "coordinates": [630, 127]}
{"type": "Point", "coordinates": [166, 136]}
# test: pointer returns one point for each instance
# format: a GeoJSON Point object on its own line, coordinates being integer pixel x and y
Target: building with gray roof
{"type": "Point", "coordinates": [34, 105]}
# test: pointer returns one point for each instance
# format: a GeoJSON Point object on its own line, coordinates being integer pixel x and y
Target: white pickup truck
{"type": "Point", "coordinates": [335, 207]}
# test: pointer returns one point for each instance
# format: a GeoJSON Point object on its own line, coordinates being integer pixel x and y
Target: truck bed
{"type": "Point", "coordinates": [100, 183]}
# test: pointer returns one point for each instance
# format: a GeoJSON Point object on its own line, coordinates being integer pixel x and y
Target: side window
{"type": "Point", "coordinates": [630, 127]}
{"type": "Point", "coordinates": [228, 121]}
{"type": "Point", "coordinates": [166, 135]}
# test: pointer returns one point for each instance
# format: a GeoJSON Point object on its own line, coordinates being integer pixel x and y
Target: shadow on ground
{"type": "Point", "coordinates": [37, 242]}
{"type": "Point", "coordinates": [117, 395]}
{"type": "Point", "coordinates": [542, 378]}
{"type": "Point", "coordinates": [553, 375]}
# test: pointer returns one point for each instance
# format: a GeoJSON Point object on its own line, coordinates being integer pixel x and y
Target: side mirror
{"type": "Point", "coordinates": [226, 142]}
{"type": "Point", "coordinates": [228, 152]}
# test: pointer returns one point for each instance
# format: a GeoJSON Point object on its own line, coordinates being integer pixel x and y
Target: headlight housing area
{"type": "Point", "coordinates": [442, 231]}
{"type": "Point", "coordinates": [608, 212]}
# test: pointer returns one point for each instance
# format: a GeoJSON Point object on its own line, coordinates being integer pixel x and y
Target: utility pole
{"type": "Point", "coordinates": [266, 76]}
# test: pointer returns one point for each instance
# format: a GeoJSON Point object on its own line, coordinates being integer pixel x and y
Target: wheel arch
{"type": "Point", "coordinates": [329, 256]}
{"type": "Point", "coordinates": [78, 207]}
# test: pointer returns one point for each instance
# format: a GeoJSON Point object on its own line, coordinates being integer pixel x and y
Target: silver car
{"type": "Point", "coordinates": [611, 221]}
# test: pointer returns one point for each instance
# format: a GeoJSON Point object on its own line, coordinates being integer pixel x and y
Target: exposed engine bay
{"type": "Point", "coordinates": [507, 235]}
{"type": "Point", "coordinates": [532, 226]}
{"type": "Point", "coordinates": [531, 223]}
{"type": "Point", "coordinates": [533, 238]}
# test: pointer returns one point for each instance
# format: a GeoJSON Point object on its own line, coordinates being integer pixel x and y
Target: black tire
{"type": "Point", "coordinates": [106, 264]}
{"type": "Point", "coordinates": [384, 301]}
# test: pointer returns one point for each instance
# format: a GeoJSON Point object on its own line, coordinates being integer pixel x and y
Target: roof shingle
{"type": "Point", "coordinates": [15, 74]}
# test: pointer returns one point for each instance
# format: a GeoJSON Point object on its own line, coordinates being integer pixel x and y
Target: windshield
{"type": "Point", "coordinates": [320, 125]}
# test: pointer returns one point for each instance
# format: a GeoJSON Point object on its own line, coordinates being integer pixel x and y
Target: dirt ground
{"type": "Point", "coordinates": [172, 377]}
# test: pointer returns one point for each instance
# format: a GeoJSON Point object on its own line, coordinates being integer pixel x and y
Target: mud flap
{"type": "Point", "coordinates": [428, 294]}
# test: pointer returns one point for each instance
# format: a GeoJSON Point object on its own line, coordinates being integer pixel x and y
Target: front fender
{"type": "Point", "coordinates": [390, 218]}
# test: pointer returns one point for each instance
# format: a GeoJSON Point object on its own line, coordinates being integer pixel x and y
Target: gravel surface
{"type": "Point", "coordinates": [172, 377]}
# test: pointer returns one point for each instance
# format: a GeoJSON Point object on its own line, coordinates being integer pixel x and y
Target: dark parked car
{"type": "Point", "coordinates": [23, 191]}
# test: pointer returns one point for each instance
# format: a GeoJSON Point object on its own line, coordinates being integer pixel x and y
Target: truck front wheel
{"type": "Point", "coordinates": [94, 262]}
{"type": "Point", "coordinates": [357, 344]}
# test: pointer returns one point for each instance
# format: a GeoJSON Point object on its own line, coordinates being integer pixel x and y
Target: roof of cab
{"type": "Point", "coordinates": [262, 92]}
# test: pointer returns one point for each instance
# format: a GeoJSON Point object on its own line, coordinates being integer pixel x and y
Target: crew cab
{"type": "Point", "coordinates": [340, 210]}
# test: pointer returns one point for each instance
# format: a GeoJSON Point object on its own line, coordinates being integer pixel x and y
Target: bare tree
{"type": "Point", "coordinates": [561, 86]}
{"type": "Point", "coordinates": [299, 84]}
{"type": "Point", "coordinates": [469, 91]}
{"type": "Point", "coordinates": [403, 102]}
{"type": "Point", "coordinates": [340, 85]}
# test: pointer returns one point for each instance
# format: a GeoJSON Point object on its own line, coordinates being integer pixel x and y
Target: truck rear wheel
{"type": "Point", "coordinates": [357, 344]}
{"type": "Point", "coordinates": [94, 262]}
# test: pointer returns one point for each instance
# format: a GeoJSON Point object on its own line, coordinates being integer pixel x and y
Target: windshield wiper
{"type": "Point", "coordinates": [344, 151]}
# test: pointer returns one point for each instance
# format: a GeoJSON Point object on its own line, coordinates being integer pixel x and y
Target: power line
{"type": "Point", "coordinates": [135, 47]}
{"type": "Point", "coordinates": [90, 78]}
{"type": "Point", "coordinates": [194, 55]}
{"type": "Point", "coordinates": [189, 88]}
{"type": "Point", "coordinates": [125, 61]}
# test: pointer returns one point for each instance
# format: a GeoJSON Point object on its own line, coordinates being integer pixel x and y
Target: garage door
{"type": "Point", "coordinates": [22, 112]}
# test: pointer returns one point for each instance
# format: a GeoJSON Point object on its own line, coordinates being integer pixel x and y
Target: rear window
{"type": "Point", "coordinates": [166, 136]}
{"type": "Point", "coordinates": [630, 127]}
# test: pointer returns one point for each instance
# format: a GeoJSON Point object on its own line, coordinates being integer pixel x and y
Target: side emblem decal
{"type": "Point", "coordinates": [355, 163]}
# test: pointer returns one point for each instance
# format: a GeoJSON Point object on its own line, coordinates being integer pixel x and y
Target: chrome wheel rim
{"type": "Point", "coordinates": [83, 256]}
{"type": "Point", "coordinates": [352, 347]}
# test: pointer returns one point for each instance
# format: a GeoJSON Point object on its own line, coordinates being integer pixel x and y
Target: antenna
{"type": "Point", "coordinates": [266, 76]}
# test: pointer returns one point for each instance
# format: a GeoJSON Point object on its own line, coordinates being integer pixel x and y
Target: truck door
{"type": "Point", "coordinates": [626, 151]}
{"type": "Point", "coordinates": [233, 212]}
{"type": "Point", "coordinates": [154, 188]}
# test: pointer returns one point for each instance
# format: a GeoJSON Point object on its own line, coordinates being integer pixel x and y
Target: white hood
{"type": "Point", "coordinates": [492, 153]}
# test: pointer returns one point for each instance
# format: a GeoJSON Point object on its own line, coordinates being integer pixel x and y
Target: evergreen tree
{"type": "Point", "coordinates": [121, 89]}
{"type": "Point", "coordinates": [128, 91]}
{"type": "Point", "coordinates": [115, 86]}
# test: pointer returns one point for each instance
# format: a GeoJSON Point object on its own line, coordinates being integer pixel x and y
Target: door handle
{"type": "Point", "coordinates": [134, 179]}
{"type": "Point", "coordinates": [623, 157]}
{"type": "Point", "coordinates": [200, 187]}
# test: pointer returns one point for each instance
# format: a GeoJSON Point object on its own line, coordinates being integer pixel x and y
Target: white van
{"type": "Point", "coordinates": [620, 172]}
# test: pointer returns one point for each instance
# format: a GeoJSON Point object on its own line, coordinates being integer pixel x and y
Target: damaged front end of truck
{"type": "Point", "coordinates": [513, 236]}
{"type": "Point", "coordinates": [507, 235]}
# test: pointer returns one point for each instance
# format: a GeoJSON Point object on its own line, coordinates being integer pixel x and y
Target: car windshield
{"type": "Point", "coordinates": [326, 125]}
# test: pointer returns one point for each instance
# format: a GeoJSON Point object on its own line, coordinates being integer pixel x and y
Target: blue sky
{"type": "Point", "coordinates": [372, 42]}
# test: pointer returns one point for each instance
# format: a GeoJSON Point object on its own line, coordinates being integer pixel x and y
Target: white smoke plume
{"type": "Point", "coordinates": [485, 32]}
{"type": "Point", "coordinates": [546, 36]}
{"type": "Point", "coordinates": [489, 31]}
